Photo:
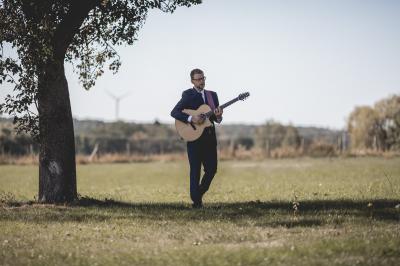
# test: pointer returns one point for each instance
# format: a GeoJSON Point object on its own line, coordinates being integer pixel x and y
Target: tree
{"type": "Point", "coordinates": [45, 34]}
{"type": "Point", "coordinates": [275, 135]}
{"type": "Point", "coordinates": [291, 138]}
{"type": "Point", "coordinates": [376, 127]}
{"type": "Point", "coordinates": [388, 111]}
{"type": "Point", "coordinates": [363, 126]}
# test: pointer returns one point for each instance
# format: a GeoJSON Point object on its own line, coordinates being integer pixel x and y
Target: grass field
{"type": "Point", "coordinates": [342, 211]}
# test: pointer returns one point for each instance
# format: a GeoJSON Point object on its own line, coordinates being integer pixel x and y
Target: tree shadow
{"type": "Point", "coordinates": [309, 213]}
{"type": "Point", "coordinates": [266, 214]}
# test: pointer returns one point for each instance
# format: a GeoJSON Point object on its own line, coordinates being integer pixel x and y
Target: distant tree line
{"type": "Point", "coordinates": [13, 144]}
{"type": "Point", "coordinates": [369, 128]}
{"type": "Point", "coordinates": [146, 139]}
{"type": "Point", "coordinates": [275, 135]}
{"type": "Point", "coordinates": [127, 138]}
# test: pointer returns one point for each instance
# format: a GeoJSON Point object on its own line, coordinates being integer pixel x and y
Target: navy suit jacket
{"type": "Point", "coordinates": [191, 99]}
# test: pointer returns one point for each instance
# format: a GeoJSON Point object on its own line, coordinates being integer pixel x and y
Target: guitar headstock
{"type": "Point", "coordinates": [243, 96]}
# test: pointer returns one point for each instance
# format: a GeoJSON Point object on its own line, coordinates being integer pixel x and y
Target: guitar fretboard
{"type": "Point", "coordinates": [210, 113]}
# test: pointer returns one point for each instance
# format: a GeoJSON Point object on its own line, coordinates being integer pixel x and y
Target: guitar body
{"type": "Point", "coordinates": [186, 131]}
{"type": "Point", "coordinates": [191, 132]}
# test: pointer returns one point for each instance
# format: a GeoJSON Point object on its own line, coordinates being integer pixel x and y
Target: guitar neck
{"type": "Point", "coordinates": [210, 113]}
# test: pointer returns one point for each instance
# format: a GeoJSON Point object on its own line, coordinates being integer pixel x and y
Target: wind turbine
{"type": "Point", "coordinates": [117, 100]}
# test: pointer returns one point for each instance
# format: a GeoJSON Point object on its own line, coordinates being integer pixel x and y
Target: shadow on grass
{"type": "Point", "coordinates": [268, 214]}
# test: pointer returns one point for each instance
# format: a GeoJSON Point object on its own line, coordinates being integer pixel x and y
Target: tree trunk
{"type": "Point", "coordinates": [57, 170]}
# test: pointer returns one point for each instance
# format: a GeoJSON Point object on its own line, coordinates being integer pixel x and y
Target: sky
{"type": "Point", "coordinates": [304, 62]}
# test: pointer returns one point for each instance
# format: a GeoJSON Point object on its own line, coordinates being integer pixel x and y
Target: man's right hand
{"type": "Point", "coordinates": [198, 119]}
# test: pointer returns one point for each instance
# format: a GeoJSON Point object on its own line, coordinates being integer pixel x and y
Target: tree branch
{"type": "Point", "coordinates": [70, 25]}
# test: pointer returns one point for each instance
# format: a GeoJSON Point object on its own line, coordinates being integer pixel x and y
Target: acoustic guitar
{"type": "Point", "coordinates": [191, 131]}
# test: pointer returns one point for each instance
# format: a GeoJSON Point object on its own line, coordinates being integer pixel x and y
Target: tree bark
{"type": "Point", "coordinates": [57, 170]}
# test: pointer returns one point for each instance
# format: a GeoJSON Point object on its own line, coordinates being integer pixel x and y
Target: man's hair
{"type": "Point", "coordinates": [195, 71]}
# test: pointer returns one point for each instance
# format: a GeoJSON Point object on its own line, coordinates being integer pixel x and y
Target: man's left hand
{"type": "Point", "coordinates": [218, 111]}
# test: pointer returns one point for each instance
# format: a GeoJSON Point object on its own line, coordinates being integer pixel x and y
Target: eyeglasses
{"type": "Point", "coordinates": [202, 78]}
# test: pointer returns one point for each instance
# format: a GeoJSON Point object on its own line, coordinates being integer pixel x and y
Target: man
{"type": "Point", "coordinates": [202, 151]}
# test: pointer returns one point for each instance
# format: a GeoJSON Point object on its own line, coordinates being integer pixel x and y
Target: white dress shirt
{"type": "Point", "coordinates": [204, 100]}
{"type": "Point", "coordinates": [202, 94]}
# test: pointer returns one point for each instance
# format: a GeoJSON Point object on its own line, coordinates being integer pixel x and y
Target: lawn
{"type": "Point", "coordinates": [337, 211]}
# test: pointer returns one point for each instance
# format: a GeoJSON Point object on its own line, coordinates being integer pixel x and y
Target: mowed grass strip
{"type": "Point", "coordinates": [341, 211]}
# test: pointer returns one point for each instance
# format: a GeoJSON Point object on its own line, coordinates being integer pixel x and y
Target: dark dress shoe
{"type": "Point", "coordinates": [197, 205]}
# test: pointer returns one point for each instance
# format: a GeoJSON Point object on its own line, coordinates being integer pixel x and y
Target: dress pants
{"type": "Point", "coordinates": [202, 151]}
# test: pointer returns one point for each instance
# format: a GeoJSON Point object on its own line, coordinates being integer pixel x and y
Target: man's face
{"type": "Point", "coordinates": [199, 81]}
